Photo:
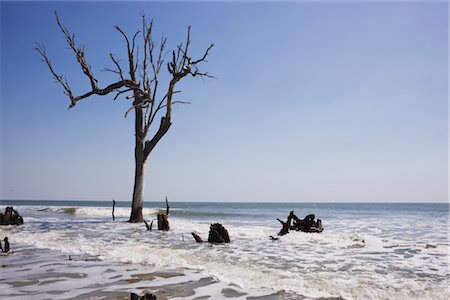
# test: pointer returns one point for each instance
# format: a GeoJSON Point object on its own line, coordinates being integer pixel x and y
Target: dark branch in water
{"type": "Point", "coordinates": [114, 204]}
{"type": "Point", "coordinates": [306, 225]}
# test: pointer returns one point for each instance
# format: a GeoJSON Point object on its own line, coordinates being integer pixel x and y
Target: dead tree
{"type": "Point", "coordinates": [139, 81]}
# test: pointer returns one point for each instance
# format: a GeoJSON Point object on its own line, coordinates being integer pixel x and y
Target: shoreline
{"type": "Point", "coordinates": [362, 254]}
{"type": "Point", "coordinates": [46, 273]}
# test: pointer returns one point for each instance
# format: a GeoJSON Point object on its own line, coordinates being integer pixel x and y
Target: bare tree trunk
{"type": "Point", "coordinates": [138, 196]}
{"type": "Point", "coordinates": [138, 190]}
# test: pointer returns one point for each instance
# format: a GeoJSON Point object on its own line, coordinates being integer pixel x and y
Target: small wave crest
{"type": "Point", "coordinates": [99, 212]}
{"type": "Point", "coordinates": [202, 213]}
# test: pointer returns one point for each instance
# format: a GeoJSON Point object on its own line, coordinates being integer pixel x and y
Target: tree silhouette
{"type": "Point", "coordinates": [140, 83]}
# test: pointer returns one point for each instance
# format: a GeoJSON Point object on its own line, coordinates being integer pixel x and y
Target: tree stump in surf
{"type": "Point", "coordinates": [163, 223]}
{"type": "Point", "coordinates": [146, 296]}
{"type": "Point", "coordinates": [308, 224]}
{"type": "Point", "coordinates": [10, 217]}
{"type": "Point", "coordinates": [218, 234]}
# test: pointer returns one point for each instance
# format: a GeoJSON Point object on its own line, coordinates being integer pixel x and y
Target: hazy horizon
{"type": "Point", "coordinates": [312, 102]}
{"type": "Point", "coordinates": [232, 201]}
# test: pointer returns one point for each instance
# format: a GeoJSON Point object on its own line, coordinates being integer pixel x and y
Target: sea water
{"type": "Point", "coordinates": [366, 251]}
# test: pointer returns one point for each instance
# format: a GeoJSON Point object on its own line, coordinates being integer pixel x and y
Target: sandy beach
{"type": "Point", "coordinates": [47, 274]}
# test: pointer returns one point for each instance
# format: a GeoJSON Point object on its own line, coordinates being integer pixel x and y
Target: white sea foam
{"type": "Point", "coordinates": [340, 262]}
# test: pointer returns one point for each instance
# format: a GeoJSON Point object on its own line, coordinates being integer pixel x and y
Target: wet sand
{"type": "Point", "coordinates": [49, 274]}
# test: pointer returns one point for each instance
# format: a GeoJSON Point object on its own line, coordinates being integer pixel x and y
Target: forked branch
{"type": "Point", "coordinates": [147, 103]}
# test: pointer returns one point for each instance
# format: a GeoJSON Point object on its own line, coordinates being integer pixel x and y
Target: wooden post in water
{"type": "Point", "coordinates": [114, 205]}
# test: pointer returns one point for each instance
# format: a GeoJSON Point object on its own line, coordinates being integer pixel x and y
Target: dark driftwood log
{"type": "Point", "coordinates": [308, 224]}
{"type": "Point", "coordinates": [218, 234]}
{"type": "Point", "coordinates": [197, 238]}
{"type": "Point", "coordinates": [10, 217]}
{"type": "Point", "coordinates": [163, 223]}
{"type": "Point", "coordinates": [146, 296]}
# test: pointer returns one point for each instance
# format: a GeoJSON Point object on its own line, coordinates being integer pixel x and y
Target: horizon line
{"type": "Point", "coordinates": [232, 201]}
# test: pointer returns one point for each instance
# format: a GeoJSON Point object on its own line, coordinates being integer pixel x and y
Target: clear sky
{"type": "Point", "coordinates": [329, 101]}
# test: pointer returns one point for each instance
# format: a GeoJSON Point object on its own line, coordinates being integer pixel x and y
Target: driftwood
{"type": "Point", "coordinates": [10, 217]}
{"type": "Point", "coordinates": [217, 235]}
{"type": "Point", "coordinates": [146, 296]}
{"type": "Point", "coordinates": [197, 238]}
{"type": "Point", "coordinates": [149, 227]}
{"type": "Point", "coordinates": [308, 224]}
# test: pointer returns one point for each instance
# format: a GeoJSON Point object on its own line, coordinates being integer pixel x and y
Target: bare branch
{"type": "Point", "coordinates": [123, 34]}
{"type": "Point", "coordinates": [204, 55]}
{"type": "Point", "coordinates": [160, 106]}
{"type": "Point", "coordinates": [146, 34]}
{"type": "Point", "coordinates": [59, 78]}
{"type": "Point", "coordinates": [117, 65]}
{"type": "Point", "coordinates": [79, 53]}
{"type": "Point", "coordinates": [110, 88]}
{"type": "Point", "coordinates": [144, 93]}
{"type": "Point", "coordinates": [141, 105]}
{"type": "Point", "coordinates": [134, 38]}
{"type": "Point", "coordinates": [178, 102]}
{"type": "Point", "coordinates": [188, 41]}
{"type": "Point", "coordinates": [201, 74]}
{"type": "Point", "coordinates": [130, 52]}
{"type": "Point", "coordinates": [121, 92]}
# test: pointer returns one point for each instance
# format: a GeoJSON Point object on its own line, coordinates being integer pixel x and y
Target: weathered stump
{"type": "Point", "coordinates": [146, 296]}
{"type": "Point", "coordinates": [218, 234]}
{"type": "Point", "coordinates": [163, 223]}
{"type": "Point", "coordinates": [10, 217]}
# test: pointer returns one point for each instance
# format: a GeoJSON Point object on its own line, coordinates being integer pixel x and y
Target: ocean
{"type": "Point", "coordinates": [74, 250]}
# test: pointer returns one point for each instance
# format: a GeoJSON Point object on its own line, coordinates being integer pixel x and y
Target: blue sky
{"type": "Point", "coordinates": [312, 102]}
